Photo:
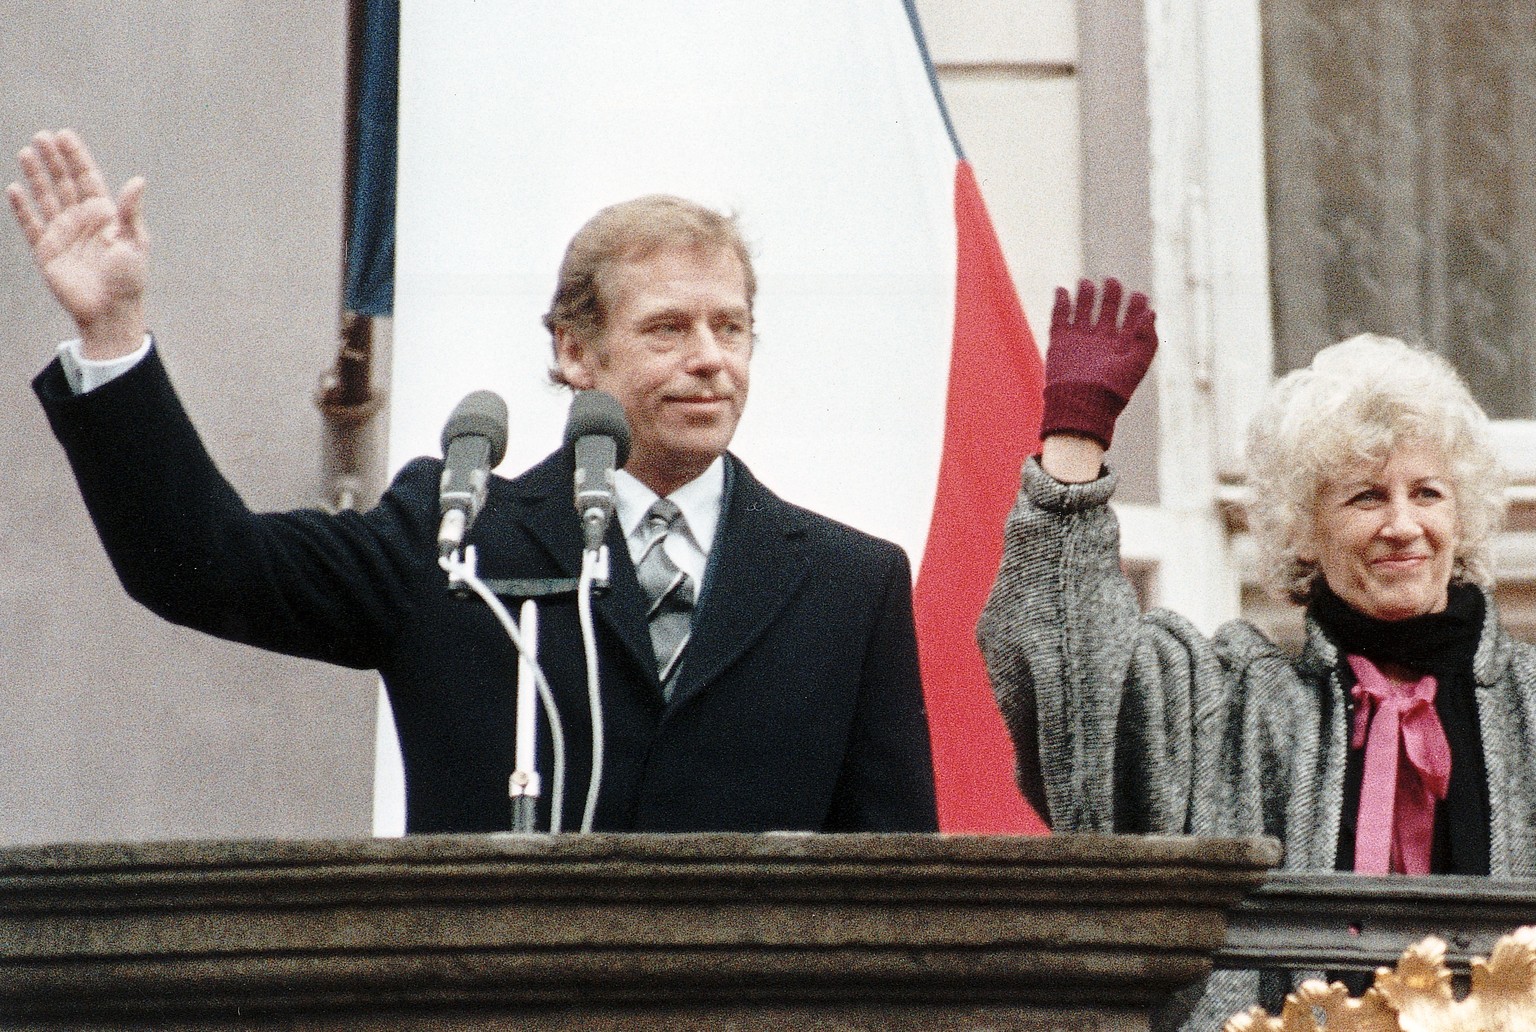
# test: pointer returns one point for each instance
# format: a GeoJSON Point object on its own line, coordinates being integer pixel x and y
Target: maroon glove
{"type": "Point", "coordinates": [1091, 367]}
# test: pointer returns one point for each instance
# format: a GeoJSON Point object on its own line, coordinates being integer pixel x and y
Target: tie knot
{"type": "Point", "coordinates": [663, 515]}
{"type": "Point", "coordinates": [1370, 681]}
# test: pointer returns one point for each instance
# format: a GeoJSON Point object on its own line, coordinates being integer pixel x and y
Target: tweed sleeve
{"type": "Point", "coordinates": [1098, 698]}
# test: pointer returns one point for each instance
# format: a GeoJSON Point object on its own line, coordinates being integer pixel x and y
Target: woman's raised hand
{"type": "Point", "coordinates": [1094, 363]}
{"type": "Point", "coordinates": [92, 250]}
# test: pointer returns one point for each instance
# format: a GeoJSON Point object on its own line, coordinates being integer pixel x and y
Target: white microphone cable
{"type": "Point", "coordinates": [594, 568]}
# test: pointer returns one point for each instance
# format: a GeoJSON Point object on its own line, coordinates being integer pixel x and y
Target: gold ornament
{"type": "Point", "coordinates": [1416, 996]}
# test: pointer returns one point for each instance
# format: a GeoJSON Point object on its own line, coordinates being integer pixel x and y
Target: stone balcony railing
{"type": "Point", "coordinates": [743, 932]}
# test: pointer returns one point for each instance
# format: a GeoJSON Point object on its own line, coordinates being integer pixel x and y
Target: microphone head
{"type": "Point", "coordinates": [598, 414]}
{"type": "Point", "coordinates": [482, 414]}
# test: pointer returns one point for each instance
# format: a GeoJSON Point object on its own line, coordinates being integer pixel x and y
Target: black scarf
{"type": "Point", "coordinates": [1443, 644]}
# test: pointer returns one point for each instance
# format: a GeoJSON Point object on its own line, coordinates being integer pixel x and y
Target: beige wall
{"type": "Point", "coordinates": [115, 724]}
{"type": "Point", "coordinates": [1008, 72]}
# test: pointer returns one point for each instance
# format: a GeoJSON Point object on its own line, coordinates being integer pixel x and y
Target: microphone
{"type": "Point", "coordinates": [474, 441]}
{"type": "Point", "coordinates": [599, 435]}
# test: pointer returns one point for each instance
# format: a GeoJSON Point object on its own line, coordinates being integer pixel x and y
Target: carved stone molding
{"type": "Point", "coordinates": [755, 933]}
{"type": "Point", "coordinates": [1416, 995]}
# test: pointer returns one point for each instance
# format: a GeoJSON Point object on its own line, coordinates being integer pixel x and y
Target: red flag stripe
{"type": "Point", "coordinates": [992, 419]}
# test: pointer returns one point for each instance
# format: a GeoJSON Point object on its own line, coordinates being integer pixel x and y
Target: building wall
{"type": "Point", "coordinates": [117, 725]}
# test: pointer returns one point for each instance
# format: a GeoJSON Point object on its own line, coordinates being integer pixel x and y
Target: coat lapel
{"type": "Point", "coordinates": [756, 566]}
{"type": "Point", "coordinates": [544, 497]}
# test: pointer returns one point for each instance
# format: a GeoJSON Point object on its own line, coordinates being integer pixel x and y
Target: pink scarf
{"type": "Point", "coordinates": [1395, 826]}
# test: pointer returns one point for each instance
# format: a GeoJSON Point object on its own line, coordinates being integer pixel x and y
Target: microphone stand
{"type": "Point", "coordinates": [594, 577]}
{"type": "Point", "coordinates": [524, 784]}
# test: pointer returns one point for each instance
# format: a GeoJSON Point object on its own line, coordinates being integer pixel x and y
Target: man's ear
{"type": "Point", "coordinates": [574, 357]}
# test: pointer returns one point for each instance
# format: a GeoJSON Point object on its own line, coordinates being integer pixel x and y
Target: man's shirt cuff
{"type": "Point", "coordinates": [86, 374]}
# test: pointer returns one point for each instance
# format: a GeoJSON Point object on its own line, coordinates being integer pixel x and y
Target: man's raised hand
{"type": "Point", "coordinates": [93, 251]}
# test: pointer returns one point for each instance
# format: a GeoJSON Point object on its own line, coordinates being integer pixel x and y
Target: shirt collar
{"type": "Point", "coordinates": [699, 499]}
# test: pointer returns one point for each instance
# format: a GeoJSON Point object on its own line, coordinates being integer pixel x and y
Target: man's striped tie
{"type": "Point", "coordinates": [670, 591]}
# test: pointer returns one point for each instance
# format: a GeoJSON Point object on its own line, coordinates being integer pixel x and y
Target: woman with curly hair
{"type": "Point", "coordinates": [1399, 738]}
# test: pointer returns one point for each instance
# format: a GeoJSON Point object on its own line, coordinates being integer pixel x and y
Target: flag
{"type": "Point", "coordinates": [895, 386]}
{"type": "Point", "coordinates": [370, 271]}
{"type": "Point", "coordinates": [992, 424]}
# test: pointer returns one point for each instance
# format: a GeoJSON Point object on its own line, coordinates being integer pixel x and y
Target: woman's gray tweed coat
{"type": "Point", "coordinates": [1142, 724]}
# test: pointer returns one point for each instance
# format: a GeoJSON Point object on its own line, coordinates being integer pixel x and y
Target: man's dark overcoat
{"type": "Point", "coordinates": [798, 706]}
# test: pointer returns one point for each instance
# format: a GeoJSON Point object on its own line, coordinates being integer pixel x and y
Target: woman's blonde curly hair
{"type": "Point", "coordinates": [1348, 410]}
